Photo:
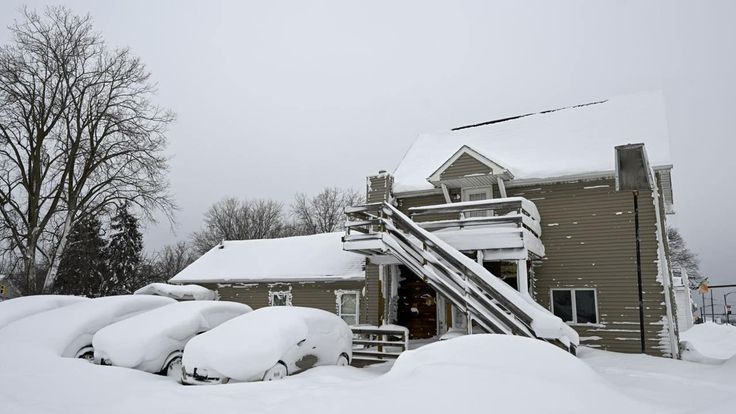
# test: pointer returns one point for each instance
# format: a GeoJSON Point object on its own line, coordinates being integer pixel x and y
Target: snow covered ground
{"type": "Point", "coordinates": [466, 374]}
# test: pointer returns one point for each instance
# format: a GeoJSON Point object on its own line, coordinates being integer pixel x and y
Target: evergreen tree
{"type": "Point", "coordinates": [124, 254]}
{"type": "Point", "coordinates": [83, 265]}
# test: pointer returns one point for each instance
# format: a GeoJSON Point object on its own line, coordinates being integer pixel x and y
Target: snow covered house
{"type": "Point", "coordinates": [559, 205]}
{"type": "Point", "coordinates": [311, 271]}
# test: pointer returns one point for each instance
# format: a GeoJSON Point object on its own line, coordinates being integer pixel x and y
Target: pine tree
{"type": "Point", "coordinates": [83, 265]}
{"type": "Point", "coordinates": [124, 253]}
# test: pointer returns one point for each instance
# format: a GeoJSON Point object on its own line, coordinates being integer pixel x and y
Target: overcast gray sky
{"type": "Point", "coordinates": [277, 97]}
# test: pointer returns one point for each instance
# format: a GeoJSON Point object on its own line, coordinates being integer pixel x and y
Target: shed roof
{"type": "Point", "coordinates": [568, 141]}
{"type": "Point", "coordinates": [310, 258]}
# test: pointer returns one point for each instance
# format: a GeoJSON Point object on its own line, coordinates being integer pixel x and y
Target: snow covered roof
{"type": "Point", "coordinates": [568, 141]}
{"type": "Point", "coordinates": [315, 257]}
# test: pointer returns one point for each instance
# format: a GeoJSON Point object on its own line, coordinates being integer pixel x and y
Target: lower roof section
{"type": "Point", "coordinates": [318, 257]}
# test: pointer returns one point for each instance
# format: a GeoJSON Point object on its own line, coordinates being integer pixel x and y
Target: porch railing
{"type": "Point", "coordinates": [378, 344]}
{"type": "Point", "coordinates": [510, 210]}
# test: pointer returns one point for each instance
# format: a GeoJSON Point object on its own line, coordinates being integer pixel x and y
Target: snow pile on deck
{"type": "Point", "coordinates": [145, 341]}
{"type": "Point", "coordinates": [314, 257]}
{"type": "Point", "coordinates": [542, 145]}
{"type": "Point", "coordinates": [63, 331]}
{"type": "Point", "coordinates": [709, 343]}
{"type": "Point", "coordinates": [178, 292]}
{"type": "Point", "coordinates": [14, 309]}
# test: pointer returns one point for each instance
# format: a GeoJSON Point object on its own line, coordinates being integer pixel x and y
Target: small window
{"type": "Point", "coordinates": [578, 306]}
{"type": "Point", "coordinates": [282, 298]}
{"type": "Point", "coordinates": [348, 306]}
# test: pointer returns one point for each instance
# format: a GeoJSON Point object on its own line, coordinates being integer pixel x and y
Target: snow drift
{"type": "Point", "coordinates": [708, 343]}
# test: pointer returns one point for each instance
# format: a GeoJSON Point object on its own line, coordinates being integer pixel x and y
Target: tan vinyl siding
{"type": "Point", "coordinates": [589, 237]}
{"type": "Point", "coordinates": [372, 295]}
{"type": "Point", "coordinates": [320, 295]}
{"type": "Point", "coordinates": [464, 165]}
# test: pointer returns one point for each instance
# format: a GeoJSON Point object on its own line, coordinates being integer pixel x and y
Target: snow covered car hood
{"type": "Point", "coordinates": [15, 309]}
{"type": "Point", "coordinates": [178, 292]}
{"type": "Point", "coordinates": [145, 341]}
{"type": "Point", "coordinates": [65, 330]}
{"type": "Point", "coordinates": [245, 347]}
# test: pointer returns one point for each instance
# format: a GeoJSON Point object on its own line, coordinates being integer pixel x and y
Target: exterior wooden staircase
{"type": "Point", "coordinates": [488, 302]}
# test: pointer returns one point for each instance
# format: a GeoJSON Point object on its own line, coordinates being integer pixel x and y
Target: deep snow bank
{"type": "Point", "coordinates": [472, 374]}
{"type": "Point", "coordinates": [708, 343]}
{"type": "Point", "coordinates": [508, 373]}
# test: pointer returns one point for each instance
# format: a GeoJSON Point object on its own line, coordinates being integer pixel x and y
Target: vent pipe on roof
{"type": "Point", "coordinates": [222, 244]}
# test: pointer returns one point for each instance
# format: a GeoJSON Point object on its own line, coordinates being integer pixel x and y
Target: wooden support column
{"type": "Point", "coordinates": [446, 193]}
{"type": "Point", "coordinates": [501, 187]}
{"type": "Point", "coordinates": [522, 277]}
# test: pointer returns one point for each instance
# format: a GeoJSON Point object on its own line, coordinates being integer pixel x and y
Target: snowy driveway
{"type": "Point", "coordinates": [470, 374]}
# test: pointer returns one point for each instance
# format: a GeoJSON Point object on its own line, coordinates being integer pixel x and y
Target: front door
{"type": "Point", "coordinates": [417, 305]}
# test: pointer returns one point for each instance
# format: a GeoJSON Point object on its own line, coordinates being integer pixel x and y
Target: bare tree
{"type": "Point", "coordinates": [682, 256]}
{"type": "Point", "coordinates": [324, 212]}
{"type": "Point", "coordinates": [172, 259]}
{"type": "Point", "coordinates": [233, 219]}
{"type": "Point", "coordinates": [78, 134]}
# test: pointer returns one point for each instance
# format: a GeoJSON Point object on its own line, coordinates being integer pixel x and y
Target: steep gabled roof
{"type": "Point", "coordinates": [567, 141]}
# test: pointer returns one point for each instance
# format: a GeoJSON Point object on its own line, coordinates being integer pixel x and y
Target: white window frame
{"type": "Point", "coordinates": [465, 196]}
{"type": "Point", "coordinates": [573, 304]}
{"type": "Point", "coordinates": [286, 294]}
{"type": "Point", "coordinates": [338, 301]}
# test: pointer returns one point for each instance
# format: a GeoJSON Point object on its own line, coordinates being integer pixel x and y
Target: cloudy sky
{"type": "Point", "coordinates": [275, 98]}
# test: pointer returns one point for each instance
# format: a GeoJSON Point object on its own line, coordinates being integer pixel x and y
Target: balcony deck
{"type": "Point", "coordinates": [508, 230]}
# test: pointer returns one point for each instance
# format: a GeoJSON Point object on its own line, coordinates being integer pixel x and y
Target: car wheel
{"type": "Point", "coordinates": [89, 357]}
{"type": "Point", "coordinates": [173, 370]}
{"type": "Point", "coordinates": [276, 372]}
{"type": "Point", "coordinates": [342, 361]}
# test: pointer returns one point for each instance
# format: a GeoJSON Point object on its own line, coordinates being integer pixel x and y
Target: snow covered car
{"type": "Point", "coordinates": [267, 344]}
{"type": "Point", "coordinates": [178, 292]}
{"type": "Point", "coordinates": [68, 331]}
{"type": "Point", "coordinates": [154, 341]}
{"type": "Point", "coordinates": [12, 310]}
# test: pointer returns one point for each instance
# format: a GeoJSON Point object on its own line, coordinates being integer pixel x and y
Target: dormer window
{"type": "Point", "coordinates": [472, 175]}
